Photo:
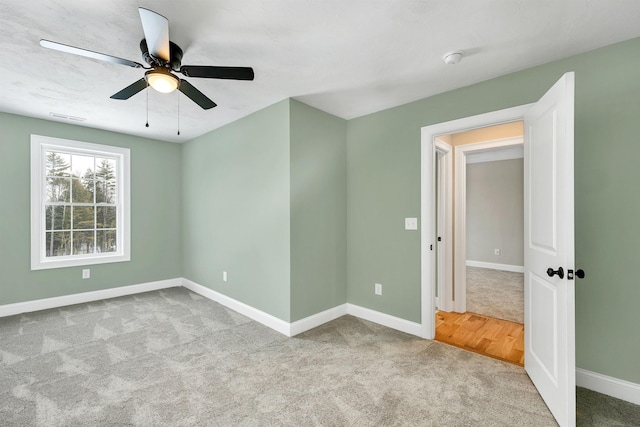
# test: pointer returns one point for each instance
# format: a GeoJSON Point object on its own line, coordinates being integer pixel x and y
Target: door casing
{"type": "Point", "coordinates": [428, 200]}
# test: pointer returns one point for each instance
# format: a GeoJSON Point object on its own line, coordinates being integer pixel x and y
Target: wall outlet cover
{"type": "Point", "coordinates": [86, 273]}
{"type": "Point", "coordinates": [378, 289]}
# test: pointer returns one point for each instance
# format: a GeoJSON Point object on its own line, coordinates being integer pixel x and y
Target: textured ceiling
{"type": "Point", "coordinates": [346, 57]}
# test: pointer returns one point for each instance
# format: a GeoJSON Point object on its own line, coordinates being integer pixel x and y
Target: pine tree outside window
{"type": "Point", "coordinates": [79, 203]}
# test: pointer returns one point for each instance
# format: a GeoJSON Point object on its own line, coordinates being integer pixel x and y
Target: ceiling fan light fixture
{"type": "Point", "coordinates": [161, 80]}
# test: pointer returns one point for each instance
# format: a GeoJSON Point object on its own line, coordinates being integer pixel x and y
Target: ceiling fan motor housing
{"type": "Point", "coordinates": [175, 52]}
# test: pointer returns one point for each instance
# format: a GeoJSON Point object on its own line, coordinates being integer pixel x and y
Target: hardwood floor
{"type": "Point", "coordinates": [491, 337]}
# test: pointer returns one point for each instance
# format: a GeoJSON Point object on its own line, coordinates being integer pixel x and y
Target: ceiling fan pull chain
{"type": "Point", "coordinates": [147, 125]}
{"type": "Point", "coordinates": [178, 95]}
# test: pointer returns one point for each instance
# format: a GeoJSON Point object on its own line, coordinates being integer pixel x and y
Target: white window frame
{"type": "Point", "coordinates": [39, 146]}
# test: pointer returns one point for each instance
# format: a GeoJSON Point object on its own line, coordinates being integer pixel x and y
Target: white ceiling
{"type": "Point", "coordinates": [346, 57]}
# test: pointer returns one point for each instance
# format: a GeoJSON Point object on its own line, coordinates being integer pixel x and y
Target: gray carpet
{"type": "Point", "coordinates": [496, 293]}
{"type": "Point", "coordinates": [172, 357]}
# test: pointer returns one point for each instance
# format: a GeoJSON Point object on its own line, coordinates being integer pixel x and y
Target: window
{"type": "Point", "coordinates": [79, 203]}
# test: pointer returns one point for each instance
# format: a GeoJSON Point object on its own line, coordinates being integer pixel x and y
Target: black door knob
{"type": "Point", "coordinates": [559, 272]}
{"type": "Point", "coordinates": [580, 273]}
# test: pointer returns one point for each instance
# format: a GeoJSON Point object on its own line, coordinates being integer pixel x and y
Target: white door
{"type": "Point", "coordinates": [549, 244]}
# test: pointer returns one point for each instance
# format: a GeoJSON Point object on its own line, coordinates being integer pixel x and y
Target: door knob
{"type": "Point", "coordinates": [559, 272]}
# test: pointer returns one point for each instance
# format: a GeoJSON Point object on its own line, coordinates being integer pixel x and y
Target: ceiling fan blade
{"type": "Point", "coordinates": [131, 90]}
{"type": "Point", "coordinates": [156, 32]}
{"type": "Point", "coordinates": [210, 72]}
{"type": "Point", "coordinates": [195, 95]}
{"type": "Point", "coordinates": [88, 53]}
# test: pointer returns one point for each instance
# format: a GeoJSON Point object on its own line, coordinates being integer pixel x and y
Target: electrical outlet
{"type": "Point", "coordinates": [378, 289]}
{"type": "Point", "coordinates": [496, 251]}
{"type": "Point", "coordinates": [86, 273]}
{"type": "Point", "coordinates": [224, 276]}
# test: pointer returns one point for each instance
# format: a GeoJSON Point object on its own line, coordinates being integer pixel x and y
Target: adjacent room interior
{"type": "Point", "coordinates": [493, 323]}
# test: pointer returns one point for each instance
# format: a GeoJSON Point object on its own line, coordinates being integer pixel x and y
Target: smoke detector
{"type": "Point", "coordinates": [452, 57]}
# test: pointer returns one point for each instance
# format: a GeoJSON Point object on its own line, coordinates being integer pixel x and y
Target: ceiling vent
{"type": "Point", "coordinates": [67, 117]}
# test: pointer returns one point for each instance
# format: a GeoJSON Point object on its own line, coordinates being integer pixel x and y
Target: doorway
{"type": "Point", "coordinates": [549, 238]}
{"type": "Point", "coordinates": [432, 149]}
{"type": "Point", "coordinates": [480, 303]}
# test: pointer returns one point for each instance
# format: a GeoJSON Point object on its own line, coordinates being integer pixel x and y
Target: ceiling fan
{"type": "Point", "coordinates": [164, 58]}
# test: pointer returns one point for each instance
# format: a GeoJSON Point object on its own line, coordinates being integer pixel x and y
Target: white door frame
{"type": "Point", "coordinates": [444, 247]}
{"type": "Point", "coordinates": [460, 221]}
{"type": "Point", "coordinates": [428, 211]}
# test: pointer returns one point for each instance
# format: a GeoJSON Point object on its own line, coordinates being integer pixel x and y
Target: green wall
{"type": "Point", "coordinates": [265, 200]}
{"type": "Point", "coordinates": [318, 211]}
{"type": "Point", "coordinates": [383, 187]}
{"type": "Point", "coordinates": [236, 210]}
{"type": "Point", "coordinates": [155, 214]}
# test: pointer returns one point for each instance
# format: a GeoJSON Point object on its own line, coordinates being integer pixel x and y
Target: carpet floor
{"type": "Point", "coordinates": [172, 357]}
{"type": "Point", "coordinates": [496, 293]}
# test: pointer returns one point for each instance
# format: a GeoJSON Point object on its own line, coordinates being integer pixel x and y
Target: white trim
{"type": "Point", "coordinates": [279, 325]}
{"type": "Point", "coordinates": [61, 301]}
{"type": "Point", "coordinates": [39, 145]}
{"type": "Point", "coordinates": [428, 234]}
{"type": "Point", "coordinates": [315, 320]}
{"type": "Point", "coordinates": [511, 153]}
{"type": "Point", "coordinates": [444, 215]}
{"type": "Point", "coordinates": [252, 313]}
{"type": "Point", "coordinates": [384, 319]}
{"type": "Point", "coordinates": [428, 134]}
{"type": "Point", "coordinates": [610, 386]}
{"type": "Point", "coordinates": [496, 266]}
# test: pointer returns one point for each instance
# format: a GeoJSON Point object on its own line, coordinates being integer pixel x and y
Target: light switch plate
{"type": "Point", "coordinates": [411, 223]}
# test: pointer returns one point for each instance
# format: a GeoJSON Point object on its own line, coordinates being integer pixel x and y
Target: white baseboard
{"type": "Point", "coordinates": [610, 386]}
{"type": "Point", "coordinates": [317, 319]}
{"type": "Point", "coordinates": [302, 325]}
{"type": "Point", "coordinates": [384, 319]}
{"type": "Point", "coordinates": [61, 301]}
{"type": "Point", "coordinates": [242, 308]}
{"type": "Point", "coordinates": [285, 328]}
{"type": "Point", "coordinates": [496, 266]}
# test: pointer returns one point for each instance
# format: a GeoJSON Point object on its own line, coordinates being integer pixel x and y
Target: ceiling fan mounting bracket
{"type": "Point", "coordinates": [175, 55]}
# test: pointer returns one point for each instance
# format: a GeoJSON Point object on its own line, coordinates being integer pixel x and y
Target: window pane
{"type": "Point", "coordinates": [58, 244]}
{"type": "Point", "coordinates": [83, 217]}
{"type": "Point", "coordinates": [83, 242]}
{"type": "Point", "coordinates": [57, 164]}
{"type": "Point", "coordinates": [58, 217]}
{"type": "Point", "coordinates": [57, 189]}
{"type": "Point", "coordinates": [106, 192]}
{"type": "Point", "coordinates": [106, 217]}
{"type": "Point", "coordinates": [89, 185]}
{"type": "Point", "coordinates": [82, 165]}
{"type": "Point", "coordinates": [106, 241]}
{"type": "Point", "coordinates": [105, 169]}
{"type": "Point", "coordinates": [80, 192]}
